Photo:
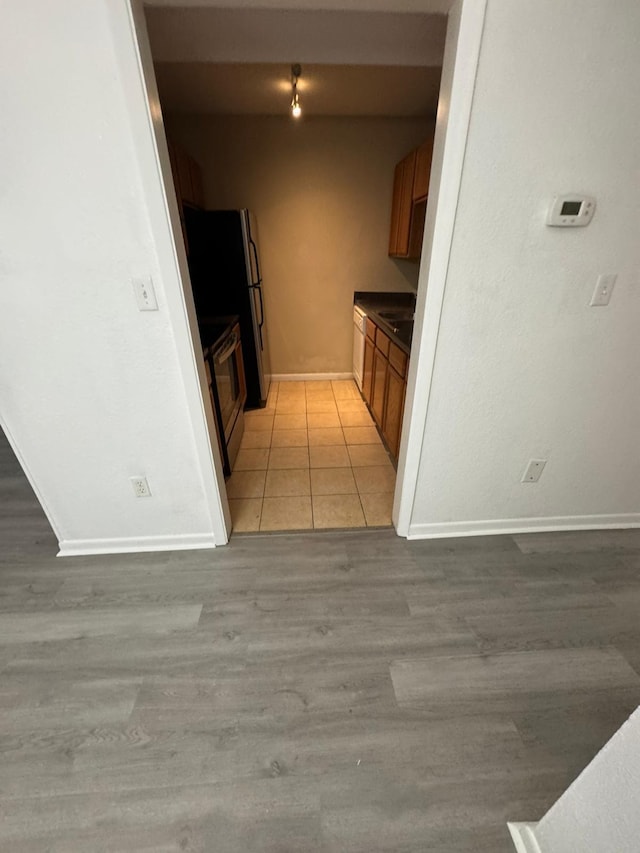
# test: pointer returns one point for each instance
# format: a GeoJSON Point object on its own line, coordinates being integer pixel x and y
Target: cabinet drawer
{"type": "Point", "coordinates": [382, 342]}
{"type": "Point", "coordinates": [370, 329]}
{"type": "Point", "coordinates": [398, 359]}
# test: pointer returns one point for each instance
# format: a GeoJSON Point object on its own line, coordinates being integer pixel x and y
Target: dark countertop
{"type": "Point", "coordinates": [373, 302]}
{"type": "Point", "coordinates": [213, 329]}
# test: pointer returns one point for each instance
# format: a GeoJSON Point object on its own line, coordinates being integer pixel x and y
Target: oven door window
{"type": "Point", "coordinates": [227, 381]}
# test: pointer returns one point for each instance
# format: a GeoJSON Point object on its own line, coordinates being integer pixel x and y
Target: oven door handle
{"type": "Point", "coordinates": [227, 349]}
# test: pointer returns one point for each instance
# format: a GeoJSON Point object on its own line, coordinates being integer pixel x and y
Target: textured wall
{"type": "Point", "coordinates": [599, 812]}
{"type": "Point", "coordinates": [524, 367]}
{"type": "Point", "coordinates": [93, 391]}
{"type": "Point", "coordinates": [321, 191]}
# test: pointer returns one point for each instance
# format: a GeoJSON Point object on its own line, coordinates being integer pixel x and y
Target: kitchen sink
{"type": "Point", "coordinates": [401, 326]}
{"type": "Point", "coordinates": [397, 315]}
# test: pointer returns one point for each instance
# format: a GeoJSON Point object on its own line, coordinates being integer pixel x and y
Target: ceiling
{"type": "Point", "coordinates": [264, 35]}
{"type": "Point", "coordinates": [224, 61]}
{"type": "Point", "coordinates": [437, 7]}
{"type": "Point", "coordinates": [265, 89]}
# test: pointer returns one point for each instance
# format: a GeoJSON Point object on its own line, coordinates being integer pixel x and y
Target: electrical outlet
{"type": "Point", "coordinates": [145, 293]}
{"type": "Point", "coordinates": [140, 487]}
{"type": "Point", "coordinates": [603, 291]}
{"type": "Point", "coordinates": [534, 470]}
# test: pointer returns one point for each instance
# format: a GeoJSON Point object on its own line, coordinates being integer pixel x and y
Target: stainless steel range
{"type": "Point", "coordinates": [225, 374]}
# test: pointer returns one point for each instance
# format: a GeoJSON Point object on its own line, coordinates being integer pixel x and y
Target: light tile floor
{"type": "Point", "coordinates": [311, 459]}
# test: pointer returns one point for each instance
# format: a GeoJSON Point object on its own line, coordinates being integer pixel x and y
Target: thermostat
{"type": "Point", "coordinates": [571, 211]}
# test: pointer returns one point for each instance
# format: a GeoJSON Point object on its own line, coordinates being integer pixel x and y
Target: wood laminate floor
{"type": "Point", "coordinates": [328, 692]}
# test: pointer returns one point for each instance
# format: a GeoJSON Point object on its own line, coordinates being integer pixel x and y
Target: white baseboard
{"type": "Point", "coordinates": [135, 544]}
{"type": "Point", "coordinates": [523, 837]}
{"type": "Point", "coordinates": [493, 527]}
{"type": "Point", "coordinates": [308, 377]}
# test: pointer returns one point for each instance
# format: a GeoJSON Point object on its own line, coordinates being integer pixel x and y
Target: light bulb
{"type": "Point", "coordinates": [296, 109]}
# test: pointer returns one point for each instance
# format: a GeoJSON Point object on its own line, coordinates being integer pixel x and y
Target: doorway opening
{"type": "Point", "coordinates": [339, 223]}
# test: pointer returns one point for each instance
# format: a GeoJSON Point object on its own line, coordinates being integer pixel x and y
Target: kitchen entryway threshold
{"type": "Point", "coordinates": [311, 460]}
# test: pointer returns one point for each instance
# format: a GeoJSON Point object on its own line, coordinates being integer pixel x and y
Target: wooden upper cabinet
{"type": "Point", "coordinates": [187, 176]}
{"type": "Point", "coordinates": [423, 170]}
{"type": "Point", "coordinates": [410, 190]}
{"type": "Point", "coordinates": [395, 208]}
{"type": "Point", "coordinates": [197, 189]}
{"type": "Point", "coordinates": [403, 238]}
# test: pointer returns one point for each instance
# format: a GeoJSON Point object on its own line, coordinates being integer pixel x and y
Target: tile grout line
{"type": "Point", "coordinates": [334, 402]}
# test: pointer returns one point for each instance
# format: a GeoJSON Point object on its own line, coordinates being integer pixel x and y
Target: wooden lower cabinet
{"type": "Point", "coordinates": [367, 369]}
{"type": "Point", "coordinates": [384, 384]}
{"type": "Point", "coordinates": [394, 405]}
{"type": "Point", "coordinates": [380, 367]}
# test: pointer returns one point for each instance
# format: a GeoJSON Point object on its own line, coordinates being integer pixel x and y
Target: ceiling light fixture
{"type": "Point", "coordinates": [296, 109]}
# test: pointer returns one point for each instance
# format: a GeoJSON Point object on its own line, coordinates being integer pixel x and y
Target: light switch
{"type": "Point", "coordinates": [604, 289]}
{"type": "Point", "coordinates": [145, 293]}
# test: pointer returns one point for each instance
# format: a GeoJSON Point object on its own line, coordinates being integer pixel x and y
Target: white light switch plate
{"type": "Point", "coordinates": [145, 293]}
{"type": "Point", "coordinates": [604, 289]}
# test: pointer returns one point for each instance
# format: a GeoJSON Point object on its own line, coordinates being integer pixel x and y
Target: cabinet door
{"type": "Point", "coordinates": [398, 359]}
{"type": "Point", "coordinates": [417, 229]}
{"type": "Point", "coordinates": [423, 170]}
{"type": "Point", "coordinates": [367, 369]}
{"type": "Point", "coordinates": [393, 411]}
{"type": "Point", "coordinates": [406, 206]}
{"type": "Point", "coordinates": [396, 202]}
{"type": "Point", "coordinates": [380, 367]}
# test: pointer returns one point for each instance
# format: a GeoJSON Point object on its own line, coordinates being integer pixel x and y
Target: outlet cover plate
{"type": "Point", "coordinates": [534, 470]}
{"type": "Point", "coordinates": [140, 487]}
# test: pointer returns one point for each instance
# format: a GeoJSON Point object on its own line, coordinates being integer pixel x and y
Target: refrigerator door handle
{"type": "Point", "coordinates": [261, 321]}
{"type": "Point", "coordinates": [254, 249]}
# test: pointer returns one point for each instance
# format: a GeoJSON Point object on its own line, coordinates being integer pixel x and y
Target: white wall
{"type": "Point", "coordinates": [93, 391]}
{"type": "Point", "coordinates": [599, 813]}
{"type": "Point", "coordinates": [321, 192]}
{"type": "Point", "coordinates": [524, 367]}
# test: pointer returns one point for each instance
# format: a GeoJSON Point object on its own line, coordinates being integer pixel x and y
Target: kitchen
{"type": "Point", "coordinates": [321, 189]}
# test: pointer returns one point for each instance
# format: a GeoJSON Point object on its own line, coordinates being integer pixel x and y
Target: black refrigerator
{"type": "Point", "coordinates": [224, 265]}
